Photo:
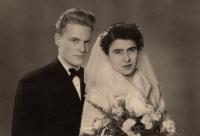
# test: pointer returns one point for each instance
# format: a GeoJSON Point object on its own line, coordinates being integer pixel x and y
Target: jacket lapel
{"type": "Point", "coordinates": [82, 88]}
{"type": "Point", "coordinates": [64, 82]}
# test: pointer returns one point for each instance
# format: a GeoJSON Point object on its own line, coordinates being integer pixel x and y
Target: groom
{"type": "Point", "coordinates": [49, 100]}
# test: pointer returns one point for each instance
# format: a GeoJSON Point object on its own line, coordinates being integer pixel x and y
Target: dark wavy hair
{"type": "Point", "coordinates": [121, 30]}
{"type": "Point", "coordinates": [75, 16]}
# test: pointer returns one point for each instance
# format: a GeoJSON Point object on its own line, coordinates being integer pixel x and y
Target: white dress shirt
{"type": "Point", "coordinates": [75, 80]}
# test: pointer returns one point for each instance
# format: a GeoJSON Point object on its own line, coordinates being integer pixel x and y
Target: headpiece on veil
{"type": "Point", "coordinates": [98, 68]}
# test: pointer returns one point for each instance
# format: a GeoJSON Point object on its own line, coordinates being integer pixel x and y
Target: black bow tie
{"type": "Point", "coordinates": [74, 73]}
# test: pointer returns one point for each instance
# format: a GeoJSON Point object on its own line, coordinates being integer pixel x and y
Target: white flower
{"type": "Point", "coordinates": [155, 116]}
{"type": "Point", "coordinates": [136, 103]}
{"type": "Point", "coordinates": [97, 123]}
{"type": "Point", "coordinates": [150, 109]}
{"type": "Point", "coordinates": [126, 126]}
{"type": "Point", "coordinates": [119, 101]}
{"type": "Point", "coordinates": [131, 133]}
{"type": "Point", "coordinates": [146, 120]}
{"type": "Point", "coordinates": [117, 111]}
{"type": "Point", "coordinates": [86, 130]}
{"type": "Point", "coordinates": [168, 126]}
{"type": "Point", "coordinates": [105, 121]}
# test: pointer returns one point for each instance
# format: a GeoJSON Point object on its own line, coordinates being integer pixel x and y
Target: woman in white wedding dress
{"type": "Point", "coordinates": [118, 65]}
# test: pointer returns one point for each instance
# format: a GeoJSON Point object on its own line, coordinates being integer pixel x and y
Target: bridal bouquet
{"type": "Point", "coordinates": [131, 116]}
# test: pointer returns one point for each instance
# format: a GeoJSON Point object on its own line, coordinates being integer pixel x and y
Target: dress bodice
{"type": "Point", "coordinates": [106, 90]}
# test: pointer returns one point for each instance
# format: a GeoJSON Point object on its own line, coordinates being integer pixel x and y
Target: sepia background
{"type": "Point", "coordinates": [171, 29]}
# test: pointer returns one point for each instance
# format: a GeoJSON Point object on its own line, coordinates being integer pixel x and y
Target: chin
{"type": "Point", "coordinates": [128, 73]}
{"type": "Point", "coordinates": [78, 64]}
{"type": "Point", "coordinates": [79, 61]}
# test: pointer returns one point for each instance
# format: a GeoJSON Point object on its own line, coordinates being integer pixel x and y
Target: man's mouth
{"type": "Point", "coordinates": [79, 56]}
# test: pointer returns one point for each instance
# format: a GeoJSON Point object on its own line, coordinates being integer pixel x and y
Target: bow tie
{"type": "Point", "coordinates": [74, 73]}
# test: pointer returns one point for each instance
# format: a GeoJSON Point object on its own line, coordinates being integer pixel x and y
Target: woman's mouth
{"type": "Point", "coordinates": [127, 66]}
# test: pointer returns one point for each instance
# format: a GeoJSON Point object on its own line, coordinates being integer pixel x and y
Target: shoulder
{"type": "Point", "coordinates": [38, 74]}
{"type": "Point", "coordinates": [102, 85]}
{"type": "Point", "coordinates": [100, 90]}
{"type": "Point", "coordinates": [47, 71]}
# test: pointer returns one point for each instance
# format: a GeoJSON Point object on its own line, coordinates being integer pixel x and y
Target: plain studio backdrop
{"type": "Point", "coordinates": [171, 30]}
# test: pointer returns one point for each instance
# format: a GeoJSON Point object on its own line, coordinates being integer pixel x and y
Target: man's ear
{"type": "Point", "coordinates": [57, 39]}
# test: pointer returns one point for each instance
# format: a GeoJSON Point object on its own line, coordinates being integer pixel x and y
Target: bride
{"type": "Point", "coordinates": [117, 66]}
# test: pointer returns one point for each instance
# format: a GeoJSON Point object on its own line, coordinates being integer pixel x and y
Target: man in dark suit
{"type": "Point", "coordinates": [49, 100]}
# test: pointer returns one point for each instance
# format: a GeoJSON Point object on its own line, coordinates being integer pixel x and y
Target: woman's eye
{"type": "Point", "coordinates": [132, 50]}
{"type": "Point", "coordinates": [117, 52]}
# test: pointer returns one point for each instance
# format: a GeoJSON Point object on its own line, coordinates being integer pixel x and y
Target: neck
{"type": "Point", "coordinates": [130, 77]}
{"type": "Point", "coordinates": [63, 61]}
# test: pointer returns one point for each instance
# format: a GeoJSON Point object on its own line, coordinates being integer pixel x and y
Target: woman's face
{"type": "Point", "coordinates": [123, 56]}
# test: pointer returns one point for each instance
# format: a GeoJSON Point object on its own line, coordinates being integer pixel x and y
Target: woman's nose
{"type": "Point", "coordinates": [126, 57]}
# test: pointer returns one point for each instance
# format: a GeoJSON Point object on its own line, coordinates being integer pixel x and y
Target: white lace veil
{"type": "Point", "coordinates": [98, 68]}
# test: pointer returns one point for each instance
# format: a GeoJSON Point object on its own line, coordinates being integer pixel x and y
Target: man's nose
{"type": "Point", "coordinates": [81, 47]}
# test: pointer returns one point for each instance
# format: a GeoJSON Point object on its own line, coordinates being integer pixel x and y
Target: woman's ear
{"type": "Point", "coordinates": [57, 39]}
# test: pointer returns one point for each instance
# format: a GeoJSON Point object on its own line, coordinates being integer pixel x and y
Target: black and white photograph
{"type": "Point", "coordinates": [99, 68]}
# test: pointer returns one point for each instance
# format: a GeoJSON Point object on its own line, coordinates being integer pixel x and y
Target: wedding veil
{"type": "Point", "coordinates": [98, 68]}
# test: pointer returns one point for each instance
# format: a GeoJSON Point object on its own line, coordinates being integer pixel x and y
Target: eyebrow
{"type": "Point", "coordinates": [117, 50]}
{"type": "Point", "coordinates": [132, 48]}
{"type": "Point", "coordinates": [123, 49]}
{"type": "Point", "coordinates": [74, 38]}
{"type": "Point", "coordinates": [87, 40]}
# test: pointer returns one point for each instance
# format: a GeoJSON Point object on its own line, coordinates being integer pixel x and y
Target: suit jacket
{"type": "Point", "coordinates": [47, 103]}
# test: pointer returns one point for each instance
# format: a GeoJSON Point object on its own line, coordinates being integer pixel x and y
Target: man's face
{"type": "Point", "coordinates": [123, 56]}
{"type": "Point", "coordinates": [74, 44]}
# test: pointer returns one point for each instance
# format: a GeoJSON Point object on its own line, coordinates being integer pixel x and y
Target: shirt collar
{"type": "Point", "coordinates": [65, 65]}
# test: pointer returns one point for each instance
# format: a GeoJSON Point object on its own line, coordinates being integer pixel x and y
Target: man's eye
{"type": "Point", "coordinates": [87, 43]}
{"type": "Point", "coordinates": [75, 41]}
